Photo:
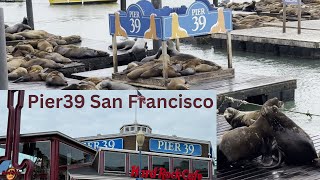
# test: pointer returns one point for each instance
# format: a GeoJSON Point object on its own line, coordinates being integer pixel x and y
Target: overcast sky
{"type": "Point", "coordinates": [189, 123]}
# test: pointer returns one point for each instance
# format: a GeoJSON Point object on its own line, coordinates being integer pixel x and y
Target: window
{"type": "Point", "coordinates": [2, 149]}
{"type": "Point", "coordinates": [181, 164]}
{"type": "Point", "coordinates": [69, 155]}
{"type": "Point", "coordinates": [139, 128]}
{"type": "Point", "coordinates": [201, 166]}
{"type": "Point", "coordinates": [144, 129]}
{"type": "Point", "coordinates": [127, 129]}
{"type": "Point", "coordinates": [160, 162]}
{"type": "Point", "coordinates": [114, 161]}
{"type": "Point", "coordinates": [39, 153]}
{"type": "Point", "coordinates": [132, 128]}
{"type": "Point", "coordinates": [134, 161]}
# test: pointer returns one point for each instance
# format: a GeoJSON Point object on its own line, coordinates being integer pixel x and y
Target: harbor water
{"type": "Point", "coordinates": [91, 21]}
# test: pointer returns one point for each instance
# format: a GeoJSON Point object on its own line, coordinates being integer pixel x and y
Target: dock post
{"type": "Point", "coordinates": [123, 5]}
{"type": "Point", "coordinates": [178, 44]}
{"type": "Point", "coordinates": [284, 16]}
{"type": "Point", "coordinates": [156, 43]}
{"type": "Point", "coordinates": [229, 49]}
{"type": "Point", "coordinates": [299, 16]}
{"type": "Point", "coordinates": [3, 55]}
{"type": "Point", "coordinates": [165, 62]}
{"type": "Point", "coordinates": [115, 55]}
{"type": "Point", "coordinates": [30, 13]}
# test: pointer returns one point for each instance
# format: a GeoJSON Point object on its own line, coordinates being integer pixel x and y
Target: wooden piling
{"type": "Point", "coordinates": [115, 54]}
{"type": "Point", "coordinates": [284, 15]}
{"type": "Point", "coordinates": [30, 13]}
{"type": "Point", "coordinates": [156, 43]}
{"type": "Point", "coordinates": [3, 55]}
{"type": "Point", "coordinates": [229, 49]}
{"type": "Point", "coordinates": [165, 62]}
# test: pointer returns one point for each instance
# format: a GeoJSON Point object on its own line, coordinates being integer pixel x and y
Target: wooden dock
{"type": "Point", "coordinates": [309, 25]}
{"type": "Point", "coordinates": [39, 85]}
{"type": "Point", "coordinates": [254, 88]}
{"type": "Point", "coordinates": [252, 172]}
{"type": "Point", "coordinates": [271, 40]}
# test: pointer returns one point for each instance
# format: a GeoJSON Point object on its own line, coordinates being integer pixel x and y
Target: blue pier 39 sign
{"type": "Point", "coordinates": [110, 143]}
{"type": "Point", "coordinates": [142, 20]}
{"type": "Point", "coordinates": [174, 147]}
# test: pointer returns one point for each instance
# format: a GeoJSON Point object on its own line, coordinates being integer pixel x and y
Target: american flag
{"type": "Point", "coordinates": [140, 97]}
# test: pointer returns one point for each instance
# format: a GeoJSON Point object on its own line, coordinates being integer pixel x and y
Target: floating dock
{"type": "Point", "coordinates": [271, 40]}
{"type": "Point", "coordinates": [251, 171]}
{"type": "Point", "coordinates": [253, 88]}
{"type": "Point", "coordinates": [39, 85]}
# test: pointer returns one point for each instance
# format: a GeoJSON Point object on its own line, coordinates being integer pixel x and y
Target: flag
{"type": "Point", "coordinates": [140, 97]}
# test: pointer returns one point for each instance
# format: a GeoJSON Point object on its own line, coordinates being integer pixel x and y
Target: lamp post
{"type": "Point", "coordinates": [140, 141]}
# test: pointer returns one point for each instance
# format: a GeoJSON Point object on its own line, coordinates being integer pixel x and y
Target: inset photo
{"type": "Point", "coordinates": [108, 134]}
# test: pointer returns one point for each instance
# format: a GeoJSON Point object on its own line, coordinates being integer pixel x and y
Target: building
{"type": "Point", "coordinates": [58, 156]}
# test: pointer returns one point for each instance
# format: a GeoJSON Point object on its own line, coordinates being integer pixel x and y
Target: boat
{"type": "Point", "coordinates": [79, 1]}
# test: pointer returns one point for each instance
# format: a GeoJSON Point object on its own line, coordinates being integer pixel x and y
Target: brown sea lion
{"type": "Point", "coordinates": [17, 28]}
{"type": "Point", "coordinates": [71, 51]}
{"type": "Point", "coordinates": [9, 49]}
{"type": "Point", "coordinates": [139, 49]}
{"type": "Point", "coordinates": [73, 39]}
{"type": "Point", "coordinates": [13, 37]}
{"type": "Point", "coordinates": [81, 86]}
{"type": "Point", "coordinates": [56, 57]}
{"type": "Point", "coordinates": [17, 73]}
{"type": "Point", "coordinates": [135, 74]}
{"type": "Point", "coordinates": [246, 143]}
{"type": "Point", "coordinates": [172, 72]}
{"type": "Point", "coordinates": [125, 45]}
{"type": "Point", "coordinates": [35, 68]}
{"type": "Point", "coordinates": [153, 72]}
{"type": "Point", "coordinates": [35, 34]}
{"type": "Point", "coordinates": [111, 85]}
{"type": "Point", "coordinates": [44, 45]}
{"type": "Point", "coordinates": [95, 80]}
{"type": "Point", "coordinates": [178, 84]}
{"type": "Point", "coordinates": [14, 63]}
{"type": "Point", "coordinates": [188, 71]}
{"type": "Point", "coordinates": [238, 118]}
{"type": "Point", "coordinates": [293, 141]}
{"type": "Point", "coordinates": [22, 50]}
{"type": "Point", "coordinates": [204, 68]}
{"type": "Point", "coordinates": [45, 63]}
{"type": "Point", "coordinates": [55, 78]}
{"type": "Point", "coordinates": [132, 65]}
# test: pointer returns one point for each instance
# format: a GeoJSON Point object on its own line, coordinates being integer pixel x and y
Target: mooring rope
{"type": "Point", "coordinates": [233, 100]}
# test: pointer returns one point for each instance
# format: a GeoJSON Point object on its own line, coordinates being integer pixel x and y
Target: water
{"type": "Point", "coordinates": [91, 21]}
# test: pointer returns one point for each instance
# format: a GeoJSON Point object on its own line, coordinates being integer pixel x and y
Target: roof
{"type": "Point", "coordinates": [57, 134]}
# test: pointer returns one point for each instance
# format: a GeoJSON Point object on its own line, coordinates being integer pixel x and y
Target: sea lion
{"type": "Point", "coordinates": [35, 73]}
{"type": "Point", "coordinates": [292, 140]}
{"type": "Point", "coordinates": [205, 68]}
{"type": "Point", "coordinates": [44, 45]}
{"type": "Point", "coordinates": [153, 72]}
{"type": "Point", "coordinates": [238, 118]}
{"type": "Point", "coordinates": [56, 78]}
{"type": "Point", "coordinates": [246, 143]}
{"type": "Point", "coordinates": [35, 34]}
{"type": "Point", "coordinates": [72, 51]}
{"type": "Point", "coordinates": [132, 65]}
{"type": "Point", "coordinates": [17, 73]}
{"type": "Point", "coordinates": [94, 80]}
{"type": "Point", "coordinates": [13, 37]}
{"type": "Point", "coordinates": [149, 58]}
{"type": "Point", "coordinates": [135, 74]}
{"type": "Point", "coordinates": [125, 45]}
{"type": "Point", "coordinates": [45, 63]}
{"type": "Point", "coordinates": [73, 39]}
{"type": "Point", "coordinates": [250, 8]}
{"type": "Point", "coordinates": [35, 68]}
{"type": "Point", "coordinates": [139, 49]}
{"type": "Point", "coordinates": [9, 49]}
{"type": "Point", "coordinates": [14, 63]}
{"type": "Point", "coordinates": [111, 85]}
{"type": "Point", "coordinates": [178, 84]}
{"type": "Point", "coordinates": [5, 26]}
{"type": "Point", "coordinates": [56, 57]}
{"type": "Point", "coordinates": [22, 50]}
{"type": "Point", "coordinates": [172, 72]}
{"type": "Point", "coordinates": [17, 28]}
{"type": "Point", "coordinates": [188, 71]}
{"type": "Point", "coordinates": [81, 86]}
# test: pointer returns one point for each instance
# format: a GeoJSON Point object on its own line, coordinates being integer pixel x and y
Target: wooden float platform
{"type": "Point", "coordinates": [253, 88]}
{"type": "Point", "coordinates": [310, 24]}
{"type": "Point", "coordinates": [250, 171]}
{"type": "Point", "coordinates": [39, 85]}
{"type": "Point", "coordinates": [71, 68]}
{"type": "Point", "coordinates": [271, 40]}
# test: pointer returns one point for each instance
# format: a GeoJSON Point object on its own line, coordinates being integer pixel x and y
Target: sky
{"type": "Point", "coordinates": [87, 121]}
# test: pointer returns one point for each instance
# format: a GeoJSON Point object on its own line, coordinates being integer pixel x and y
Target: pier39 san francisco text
{"type": "Point", "coordinates": [96, 101]}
